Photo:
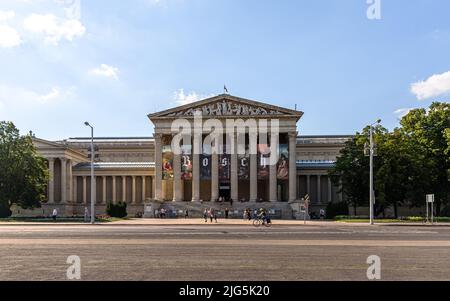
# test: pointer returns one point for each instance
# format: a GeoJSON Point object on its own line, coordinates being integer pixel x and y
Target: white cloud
{"type": "Point", "coordinates": [52, 95]}
{"type": "Point", "coordinates": [402, 112]}
{"type": "Point", "coordinates": [9, 37]}
{"type": "Point", "coordinates": [16, 98]}
{"type": "Point", "coordinates": [55, 29]}
{"type": "Point", "coordinates": [182, 99]}
{"type": "Point", "coordinates": [106, 70]}
{"type": "Point", "coordinates": [6, 15]}
{"type": "Point", "coordinates": [436, 85]}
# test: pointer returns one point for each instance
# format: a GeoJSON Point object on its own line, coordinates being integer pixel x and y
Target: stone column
{"type": "Point", "coordinates": [70, 180]}
{"type": "Point", "coordinates": [273, 185]}
{"type": "Point", "coordinates": [215, 169]}
{"type": "Point", "coordinates": [234, 168]}
{"type": "Point", "coordinates": [114, 189]}
{"type": "Point", "coordinates": [51, 181]}
{"type": "Point", "coordinates": [158, 168]}
{"type": "Point", "coordinates": [143, 189]}
{"type": "Point", "coordinates": [63, 180]}
{"type": "Point", "coordinates": [214, 176]}
{"type": "Point", "coordinates": [318, 190]}
{"type": "Point", "coordinates": [292, 167]}
{"type": "Point", "coordinates": [196, 167]}
{"type": "Point", "coordinates": [75, 189]}
{"type": "Point", "coordinates": [124, 189]}
{"type": "Point", "coordinates": [104, 189]}
{"type": "Point", "coordinates": [133, 190]}
{"type": "Point", "coordinates": [84, 191]}
{"type": "Point", "coordinates": [329, 189]}
{"type": "Point", "coordinates": [308, 191]}
{"type": "Point", "coordinates": [177, 178]}
{"type": "Point", "coordinates": [254, 169]}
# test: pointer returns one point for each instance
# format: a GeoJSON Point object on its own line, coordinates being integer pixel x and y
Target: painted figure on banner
{"type": "Point", "coordinates": [263, 161]}
{"type": "Point", "coordinates": [167, 159]}
{"type": "Point", "coordinates": [186, 162]}
{"type": "Point", "coordinates": [283, 163]}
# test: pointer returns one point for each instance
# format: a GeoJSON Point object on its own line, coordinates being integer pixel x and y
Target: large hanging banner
{"type": "Point", "coordinates": [244, 167]}
{"type": "Point", "coordinates": [186, 162]}
{"type": "Point", "coordinates": [224, 167]}
{"type": "Point", "coordinates": [205, 167]}
{"type": "Point", "coordinates": [283, 162]}
{"type": "Point", "coordinates": [167, 159]}
{"type": "Point", "coordinates": [263, 161]}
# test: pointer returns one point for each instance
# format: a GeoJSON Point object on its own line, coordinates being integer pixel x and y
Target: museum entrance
{"type": "Point", "coordinates": [225, 191]}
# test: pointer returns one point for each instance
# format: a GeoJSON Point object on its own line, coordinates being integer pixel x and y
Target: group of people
{"type": "Point", "coordinates": [211, 213]}
{"type": "Point", "coordinates": [160, 213]}
{"type": "Point", "coordinates": [261, 213]}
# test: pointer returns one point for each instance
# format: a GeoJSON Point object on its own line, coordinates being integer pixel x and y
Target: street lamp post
{"type": "Point", "coordinates": [371, 197]}
{"type": "Point", "coordinates": [92, 174]}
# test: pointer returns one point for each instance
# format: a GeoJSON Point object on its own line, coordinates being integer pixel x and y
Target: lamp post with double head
{"type": "Point", "coordinates": [372, 196]}
{"type": "Point", "coordinates": [92, 174]}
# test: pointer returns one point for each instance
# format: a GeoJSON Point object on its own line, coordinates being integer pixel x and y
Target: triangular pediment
{"type": "Point", "coordinates": [224, 106]}
{"type": "Point", "coordinates": [41, 143]}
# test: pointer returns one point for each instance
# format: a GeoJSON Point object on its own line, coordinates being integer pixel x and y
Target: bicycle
{"type": "Point", "coordinates": [258, 221]}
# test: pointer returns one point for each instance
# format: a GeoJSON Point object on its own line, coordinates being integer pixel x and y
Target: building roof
{"type": "Point", "coordinates": [115, 165]}
{"type": "Point", "coordinates": [181, 110]}
{"type": "Point", "coordinates": [315, 164]}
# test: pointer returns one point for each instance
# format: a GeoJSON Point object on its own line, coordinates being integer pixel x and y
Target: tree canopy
{"type": "Point", "coordinates": [23, 173]}
{"type": "Point", "coordinates": [412, 161]}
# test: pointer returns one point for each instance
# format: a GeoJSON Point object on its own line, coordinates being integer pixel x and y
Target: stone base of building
{"type": "Point", "coordinates": [281, 210]}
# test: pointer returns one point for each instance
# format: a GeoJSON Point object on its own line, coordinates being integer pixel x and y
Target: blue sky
{"type": "Point", "coordinates": [117, 61]}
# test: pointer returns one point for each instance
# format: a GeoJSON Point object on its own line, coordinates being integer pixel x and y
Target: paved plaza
{"type": "Point", "coordinates": [229, 250]}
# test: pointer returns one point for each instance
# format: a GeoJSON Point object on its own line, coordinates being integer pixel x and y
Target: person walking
{"type": "Point", "coordinates": [186, 213]}
{"type": "Point", "coordinates": [54, 214]}
{"type": "Point", "coordinates": [205, 215]}
{"type": "Point", "coordinates": [226, 213]}
{"type": "Point", "coordinates": [86, 215]}
{"type": "Point", "coordinates": [211, 214]}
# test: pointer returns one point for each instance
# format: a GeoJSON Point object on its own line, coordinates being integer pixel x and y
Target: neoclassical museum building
{"type": "Point", "coordinates": [149, 174]}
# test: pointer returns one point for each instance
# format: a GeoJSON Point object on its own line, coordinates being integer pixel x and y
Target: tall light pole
{"type": "Point", "coordinates": [92, 174]}
{"type": "Point", "coordinates": [371, 198]}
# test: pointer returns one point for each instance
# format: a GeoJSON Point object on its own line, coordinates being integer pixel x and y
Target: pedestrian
{"type": "Point", "coordinates": [186, 213]}
{"type": "Point", "coordinates": [205, 215]}
{"type": "Point", "coordinates": [322, 214]}
{"type": "Point", "coordinates": [231, 202]}
{"type": "Point", "coordinates": [156, 213]}
{"type": "Point", "coordinates": [211, 214]}
{"type": "Point", "coordinates": [226, 213]}
{"type": "Point", "coordinates": [86, 214]}
{"type": "Point", "coordinates": [54, 214]}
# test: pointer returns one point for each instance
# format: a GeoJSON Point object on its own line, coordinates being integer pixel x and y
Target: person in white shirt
{"type": "Point", "coordinates": [54, 214]}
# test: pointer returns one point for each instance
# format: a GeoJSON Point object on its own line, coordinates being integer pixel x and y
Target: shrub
{"type": "Point", "coordinates": [335, 209]}
{"type": "Point", "coordinates": [4, 210]}
{"type": "Point", "coordinates": [117, 210]}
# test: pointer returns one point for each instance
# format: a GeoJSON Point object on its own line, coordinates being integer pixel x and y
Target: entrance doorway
{"type": "Point", "coordinates": [225, 191]}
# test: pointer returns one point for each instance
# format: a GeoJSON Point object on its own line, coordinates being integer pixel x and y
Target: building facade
{"type": "Point", "coordinates": [179, 168]}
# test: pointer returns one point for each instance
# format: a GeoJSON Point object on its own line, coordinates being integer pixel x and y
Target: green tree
{"type": "Point", "coordinates": [352, 168]}
{"type": "Point", "coordinates": [23, 173]}
{"type": "Point", "coordinates": [429, 131]}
